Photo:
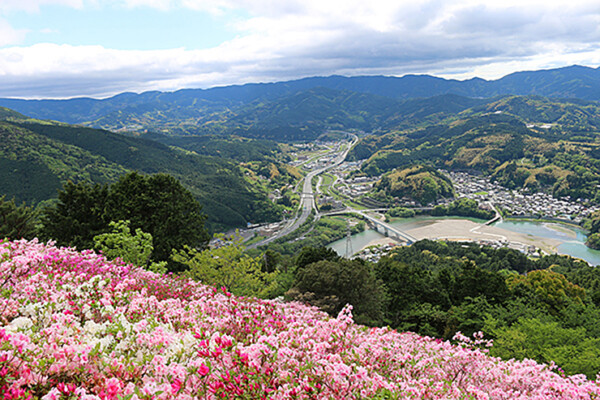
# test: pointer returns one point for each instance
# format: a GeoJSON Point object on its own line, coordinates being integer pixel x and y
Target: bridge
{"type": "Point", "coordinates": [388, 230]}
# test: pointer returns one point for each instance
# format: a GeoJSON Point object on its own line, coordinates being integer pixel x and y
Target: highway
{"type": "Point", "coordinates": [307, 197]}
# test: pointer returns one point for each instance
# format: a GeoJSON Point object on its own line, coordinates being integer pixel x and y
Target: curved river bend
{"type": "Point", "coordinates": [571, 239]}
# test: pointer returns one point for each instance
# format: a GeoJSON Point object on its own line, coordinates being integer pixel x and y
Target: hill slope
{"type": "Point", "coordinates": [37, 158]}
{"type": "Point", "coordinates": [104, 330]}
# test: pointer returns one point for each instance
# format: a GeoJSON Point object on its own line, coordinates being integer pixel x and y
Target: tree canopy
{"type": "Point", "coordinates": [156, 204]}
{"type": "Point", "coordinates": [16, 222]}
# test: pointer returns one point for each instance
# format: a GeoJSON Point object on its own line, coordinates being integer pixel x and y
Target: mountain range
{"type": "Point", "coordinates": [259, 109]}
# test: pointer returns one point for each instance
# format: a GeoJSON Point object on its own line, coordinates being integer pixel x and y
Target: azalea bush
{"type": "Point", "coordinates": [75, 326]}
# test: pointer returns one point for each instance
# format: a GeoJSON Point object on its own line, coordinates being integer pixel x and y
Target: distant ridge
{"type": "Point", "coordinates": [567, 82]}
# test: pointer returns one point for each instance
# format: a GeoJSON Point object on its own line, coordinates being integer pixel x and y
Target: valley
{"type": "Point", "coordinates": [342, 193]}
{"type": "Point", "coordinates": [434, 215]}
{"type": "Point", "coordinates": [299, 200]}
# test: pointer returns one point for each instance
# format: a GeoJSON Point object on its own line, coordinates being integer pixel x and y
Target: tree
{"type": "Point", "coordinates": [77, 217]}
{"type": "Point", "coordinates": [132, 249]}
{"type": "Point", "coordinates": [570, 348]}
{"type": "Point", "coordinates": [408, 287]}
{"type": "Point", "coordinates": [549, 288]}
{"type": "Point", "coordinates": [333, 284]}
{"type": "Point", "coordinates": [473, 281]}
{"type": "Point", "coordinates": [156, 204]}
{"type": "Point", "coordinates": [121, 243]}
{"type": "Point", "coordinates": [309, 255]}
{"type": "Point", "coordinates": [16, 222]}
{"type": "Point", "coordinates": [160, 205]}
{"type": "Point", "coordinates": [228, 267]}
{"type": "Point", "coordinates": [593, 241]}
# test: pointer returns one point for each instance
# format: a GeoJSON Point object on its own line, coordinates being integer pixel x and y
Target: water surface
{"type": "Point", "coordinates": [572, 239]}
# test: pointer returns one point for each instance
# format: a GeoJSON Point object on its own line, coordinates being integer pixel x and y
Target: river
{"type": "Point", "coordinates": [568, 239]}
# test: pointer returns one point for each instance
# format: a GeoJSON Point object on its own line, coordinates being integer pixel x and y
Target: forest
{"type": "Point", "coordinates": [37, 158]}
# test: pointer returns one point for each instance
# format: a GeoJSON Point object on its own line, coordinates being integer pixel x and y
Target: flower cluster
{"type": "Point", "coordinates": [75, 326]}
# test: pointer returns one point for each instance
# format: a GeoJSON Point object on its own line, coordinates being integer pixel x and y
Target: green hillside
{"type": "Point", "coordinates": [37, 158]}
{"type": "Point", "coordinates": [33, 166]}
{"type": "Point", "coordinates": [566, 117]}
{"type": "Point", "coordinates": [230, 146]}
{"type": "Point", "coordinates": [422, 184]}
{"type": "Point", "coordinates": [526, 142]}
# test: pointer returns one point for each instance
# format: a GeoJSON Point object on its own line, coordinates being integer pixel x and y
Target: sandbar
{"type": "Point", "coordinates": [466, 230]}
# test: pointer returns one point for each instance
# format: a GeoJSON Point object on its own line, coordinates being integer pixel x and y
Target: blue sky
{"type": "Point", "coordinates": [69, 48]}
{"type": "Point", "coordinates": [124, 28]}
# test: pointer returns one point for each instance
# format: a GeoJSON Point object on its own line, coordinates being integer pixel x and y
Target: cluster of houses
{"type": "Point", "coordinates": [355, 186]}
{"type": "Point", "coordinates": [518, 203]}
{"type": "Point", "coordinates": [527, 249]}
{"type": "Point", "coordinates": [374, 253]}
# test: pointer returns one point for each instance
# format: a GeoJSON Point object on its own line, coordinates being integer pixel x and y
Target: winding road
{"type": "Point", "coordinates": [307, 197]}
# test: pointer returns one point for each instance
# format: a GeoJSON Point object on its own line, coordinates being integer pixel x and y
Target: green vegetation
{"type": "Point", "coordinates": [419, 183]}
{"type": "Point", "coordinates": [132, 249]}
{"type": "Point", "coordinates": [331, 284]}
{"type": "Point", "coordinates": [228, 267]}
{"type": "Point", "coordinates": [400, 212]}
{"type": "Point", "coordinates": [157, 204]}
{"type": "Point", "coordinates": [438, 288]}
{"type": "Point", "coordinates": [17, 222]}
{"type": "Point", "coordinates": [230, 147]}
{"type": "Point", "coordinates": [592, 224]}
{"type": "Point", "coordinates": [37, 159]}
{"type": "Point", "coordinates": [33, 167]}
{"type": "Point", "coordinates": [593, 241]}
{"type": "Point", "coordinates": [463, 207]}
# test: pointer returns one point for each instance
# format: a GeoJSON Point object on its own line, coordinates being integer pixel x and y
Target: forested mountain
{"type": "Point", "coordinates": [260, 108]}
{"type": "Point", "coordinates": [37, 158]}
{"type": "Point", "coordinates": [531, 142]}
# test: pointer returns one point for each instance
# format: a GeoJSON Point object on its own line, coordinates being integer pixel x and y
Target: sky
{"type": "Point", "coordinates": [98, 48]}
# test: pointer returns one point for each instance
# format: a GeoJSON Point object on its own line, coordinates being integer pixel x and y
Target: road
{"type": "Point", "coordinates": [307, 197]}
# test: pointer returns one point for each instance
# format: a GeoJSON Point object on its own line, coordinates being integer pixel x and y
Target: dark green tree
{"type": "Point", "coordinates": [309, 255]}
{"type": "Point", "coordinates": [160, 205]}
{"type": "Point", "coordinates": [333, 284]}
{"type": "Point", "coordinates": [473, 281]}
{"type": "Point", "coordinates": [407, 287]}
{"type": "Point", "coordinates": [77, 217]}
{"type": "Point", "coordinates": [593, 241]}
{"type": "Point", "coordinates": [16, 222]}
{"type": "Point", "coordinates": [156, 204]}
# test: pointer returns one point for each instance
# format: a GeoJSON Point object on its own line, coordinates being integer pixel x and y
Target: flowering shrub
{"type": "Point", "coordinates": [75, 326]}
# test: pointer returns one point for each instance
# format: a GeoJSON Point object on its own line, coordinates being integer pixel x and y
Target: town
{"type": "Point", "coordinates": [518, 204]}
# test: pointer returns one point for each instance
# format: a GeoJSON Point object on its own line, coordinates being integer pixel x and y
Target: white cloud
{"type": "Point", "coordinates": [9, 35]}
{"type": "Point", "coordinates": [290, 39]}
{"type": "Point", "coordinates": [34, 5]}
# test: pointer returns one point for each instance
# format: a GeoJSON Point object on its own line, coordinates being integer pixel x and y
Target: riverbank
{"type": "Point", "coordinates": [549, 237]}
{"type": "Point", "coordinates": [468, 230]}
